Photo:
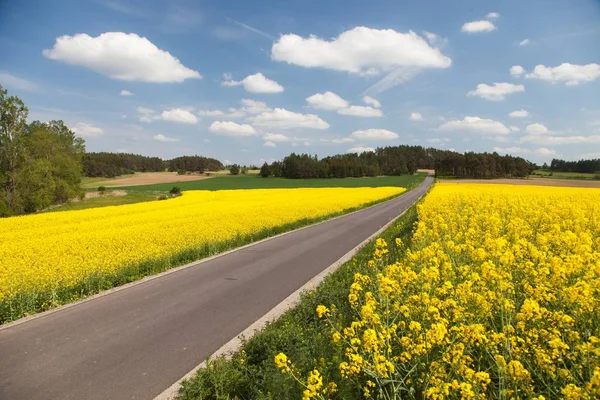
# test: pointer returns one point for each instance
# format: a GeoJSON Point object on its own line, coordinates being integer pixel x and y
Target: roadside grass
{"type": "Point", "coordinates": [252, 374]}
{"type": "Point", "coordinates": [30, 303]}
{"type": "Point", "coordinates": [541, 173]}
{"type": "Point", "coordinates": [108, 200]}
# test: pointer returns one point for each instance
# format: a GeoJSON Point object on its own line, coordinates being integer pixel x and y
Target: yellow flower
{"type": "Point", "coordinates": [282, 362]}
{"type": "Point", "coordinates": [322, 311]}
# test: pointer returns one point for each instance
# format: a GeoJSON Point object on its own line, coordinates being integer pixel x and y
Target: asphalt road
{"type": "Point", "coordinates": [136, 342]}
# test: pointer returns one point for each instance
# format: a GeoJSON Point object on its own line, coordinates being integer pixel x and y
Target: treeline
{"type": "Point", "coordinates": [194, 164]}
{"type": "Point", "coordinates": [400, 160]}
{"type": "Point", "coordinates": [582, 166]}
{"type": "Point", "coordinates": [40, 163]}
{"type": "Point", "coordinates": [109, 165]}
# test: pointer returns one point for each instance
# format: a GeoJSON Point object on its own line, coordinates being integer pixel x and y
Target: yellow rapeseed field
{"type": "Point", "coordinates": [48, 253]}
{"type": "Point", "coordinates": [498, 297]}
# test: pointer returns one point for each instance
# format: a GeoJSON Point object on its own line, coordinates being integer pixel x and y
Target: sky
{"type": "Point", "coordinates": [249, 82]}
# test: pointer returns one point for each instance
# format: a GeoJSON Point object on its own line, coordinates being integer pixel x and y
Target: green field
{"type": "Point", "coordinates": [541, 173]}
{"type": "Point", "coordinates": [225, 182]}
{"type": "Point", "coordinates": [138, 194]}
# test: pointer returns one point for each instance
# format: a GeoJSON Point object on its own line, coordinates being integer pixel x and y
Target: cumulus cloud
{"type": "Point", "coordinates": [338, 140]}
{"type": "Point", "coordinates": [475, 125]}
{"type": "Point", "coordinates": [415, 116]}
{"type": "Point", "coordinates": [519, 113]}
{"type": "Point", "coordinates": [493, 15]}
{"type": "Point", "coordinates": [179, 115]}
{"type": "Point", "coordinates": [122, 56]}
{"type": "Point", "coordinates": [371, 101]}
{"type": "Point", "coordinates": [360, 111]}
{"type": "Point", "coordinates": [326, 101]}
{"type": "Point", "coordinates": [210, 113]}
{"type": "Point", "coordinates": [248, 107]}
{"type": "Point", "coordinates": [542, 151]}
{"type": "Point", "coordinates": [284, 119]}
{"type": "Point", "coordinates": [516, 71]}
{"type": "Point", "coordinates": [498, 91]}
{"type": "Point", "coordinates": [87, 130]}
{"type": "Point", "coordinates": [125, 93]}
{"type": "Point", "coordinates": [360, 50]}
{"type": "Point", "coordinates": [229, 128]}
{"type": "Point", "coordinates": [162, 138]}
{"type": "Point", "coordinates": [374, 134]}
{"type": "Point", "coordinates": [146, 114]}
{"type": "Point", "coordinates": [257, 83]}
{"type": "Point", "coordinates": [514, 128]}
{"type": "Point", "coordinates": [269, 144]}
{"type": "Point", "coordinates": [478, 26]}
{"type": "Point", "coordinates": [536, 129]}
{"type": "Point", "coordinates": [571, 74]}
{"type": "Point", "coordinates": [524, 42]}
{"type": "Point", "coordinates": [277, 137]}
{"type": "Point", "coordinates": [360, 149]}
{"type": "Point", "coordinates": [254, 106]}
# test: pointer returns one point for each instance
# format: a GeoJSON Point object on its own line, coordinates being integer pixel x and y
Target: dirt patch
{"type": "Point", "coordinates": [148, 178]}
{"type": "Point", "coordinates": [531, 181]}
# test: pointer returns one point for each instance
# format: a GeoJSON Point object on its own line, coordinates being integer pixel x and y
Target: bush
{"type": "Point", "coordinates": [102, 189]}
{"type": "Point", "coordinates": [181, 172]}
{"type": "Point", "coordinates": [162, 197]}
{"type": "Point", "coordinates": [176, 190]}
{"type": "Point", "coordinates": [234, 169]}
{"type": "Point", "coordinates": [597, 177]}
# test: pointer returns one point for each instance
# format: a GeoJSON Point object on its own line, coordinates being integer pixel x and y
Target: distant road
{"type": "Point", "coordinates": [134, 343]}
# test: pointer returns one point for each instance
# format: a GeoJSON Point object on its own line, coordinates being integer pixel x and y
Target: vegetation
{"type": "Point", "coordinates": [495, 296]}
{"type": "Point", "coordinates": [53, 258]}
{"type": "Point", "coordinates": [547, 173]}
{"type": "Point", "coordinates": [110, 165]}
{"type": "Point", "coordinates": [234, 169]}
{"type": "Point", "coordinates": [400, 160]}
{"type": "Point", "coordinates": [581, 166]}
{"type": "Point", "coordinates": [40, 163]}
{"type": "Point", "coordinates": [196, 164]}
{"type": "Point", "coordinates": [252, 374]}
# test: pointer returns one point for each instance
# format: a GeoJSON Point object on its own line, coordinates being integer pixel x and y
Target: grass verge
{"type": "Point", "coordinates": [252, 374]}
{"type": "Point", "coordinates": [30, 303]}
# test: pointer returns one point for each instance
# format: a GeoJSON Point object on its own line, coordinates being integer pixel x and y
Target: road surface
{"type": "Point", "coordinates": [134, 343]}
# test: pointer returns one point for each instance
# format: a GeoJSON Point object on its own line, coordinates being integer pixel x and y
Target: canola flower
{"type": "Point", "coordinates": [496, 297]}
{"type": "Point", "coordinates": [44, 253]}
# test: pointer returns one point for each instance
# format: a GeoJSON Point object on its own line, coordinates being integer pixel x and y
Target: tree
{"type": "Point", "coordinates": [264, 170]}
{"type": "Point", "coordinates": [234, 169]}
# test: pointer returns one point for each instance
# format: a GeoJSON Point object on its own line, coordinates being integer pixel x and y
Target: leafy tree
{"type": "Point", "coordinates": [234, 169]}
{"type": "Point", "coordinates": [264, 170]}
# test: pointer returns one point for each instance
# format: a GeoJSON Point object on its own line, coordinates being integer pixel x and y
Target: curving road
{"type": "Point", "coordinates": [136, 342]}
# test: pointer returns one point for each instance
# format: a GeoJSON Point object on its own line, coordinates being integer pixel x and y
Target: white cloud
{"type": "Point", "coordinates": [438, 140]}
{"type": "Point", "coordinates": [87, 130]}
{"type": "Point", "coordinates": [269, 144]}
{"type": "Point", "coordinates": [371, 101]}
{"type": "Point", "coordinates": [12, 81]}
{"type": "Point", "coordinates": [519, 113]}
{"type": "Point", "coordinates": [326, 101]}
{"type": "Point", "coordinates": [126, 93]}
{"type": "Point", "coordinates": [361, 111]}
{"type": "Point", "coordinates": [478, 26]}
{"type": "Point", "coordinates": [415, 116]}
{"type": "Point", "coordinates": [360, 149]}
{"type": "Point", "coordinates": [229, 128]}
{"type": "Point", "coordinates": [475, 125]}
{"type": "Point", "coordinates": [571, 74]}
{"type": "Point", "coordinates": [277, 137]}
{"type": "Point", "coordinates": [514, 128]}
{"type": "Point", "coordinates": [257, 83]}
{"type": "Point", "coordinates": [210, 113]}
{"type": "Point", "coordinates": [179, 115]}
{"type": "Point", "coordinates": [146, 114]}
{"type": "Point", "coordinates": [162, 138]}
{"type": "Point", "coordinates": [341, 140]}
{"type": "Point", "coordinates": [493, 15]}
{"type": "Point", "coordinates": [536, 129]}
{"type": "Point", "coordinates": [517, 70]}
{"type": "Point", "coordinates": [431, 37]}
{"type": "Point", "coordinates": [498, 91]}
{"type": "Point", "coordinates": [254, 106]}
{"type": "Point", "coordinates": [360, 50]}
{"type": "Point", "coordinates": [374, 134]}
{"type": "Point", "coordinates": [524, 42]}
{"type": "Point", "coordinates": [120, 56]}
{"type": "Point", "coordinates": [542, 151]}
{"type": "Point", "coordinates": [547, 140]}
{"type": "Point", "coordinates": [284, 119]}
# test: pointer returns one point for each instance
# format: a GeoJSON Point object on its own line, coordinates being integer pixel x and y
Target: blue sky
{"type": "Point", "coordinates": [251, 81]}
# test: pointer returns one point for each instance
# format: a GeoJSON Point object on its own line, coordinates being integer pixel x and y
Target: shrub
{"type": "Point", "coordinates": [234, 169]}
{"type": "Point", "coordinates": [181, 172]}
{"type": "Point", "coordinates": [162, 197]}
{"type": "Point", "coordinates": [101, 189]}
{"type": "Point", "coordinates": [597, 177]}
{"type": "Point", "coordinates": [175, 190]}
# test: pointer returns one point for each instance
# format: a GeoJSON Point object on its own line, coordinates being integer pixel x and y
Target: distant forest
{"type": "Point", "coordinates": [399, 160]}
{"type": "Point", "coordinates": [109, 165]}
{"type": "Point", "coordinates": [582, 166]}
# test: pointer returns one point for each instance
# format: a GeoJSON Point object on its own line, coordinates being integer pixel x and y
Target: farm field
{"type": "Point", "coordinates": [494, 296]}
{"type": "Point", "coordinates": [55, 258]}
{"type": "Point", "coordinates": [547, 174]}
{"type": "Point", "coordinates": [575, 183]}
{"type": "Point", "coordinates": [140, 178]}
